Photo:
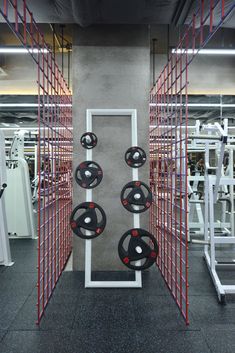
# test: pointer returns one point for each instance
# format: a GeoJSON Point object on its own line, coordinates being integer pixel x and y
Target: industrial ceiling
{"type": "Point", "coordinates": [88, 12]}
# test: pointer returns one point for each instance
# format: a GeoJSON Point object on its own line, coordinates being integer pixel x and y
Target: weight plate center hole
{"type": "Point", "coordinates": [139, 250]}
{"type": "Point", "coordinates": [87, 173]}
{"type": "Point", "coordinates": [137, 196]}
{"type": "Point", "coordinates": [87, 220]}
{"type": "Point", "coordinates": [136, 155]}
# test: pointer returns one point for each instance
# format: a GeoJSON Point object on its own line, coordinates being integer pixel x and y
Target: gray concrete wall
{"type": "Point", "coordinates": [111, 69]}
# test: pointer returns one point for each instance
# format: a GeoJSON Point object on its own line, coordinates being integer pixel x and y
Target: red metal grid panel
{"type": "Point", "coordinates": [168, 149]}
{"type": "Point", "coordinates": [168, 156]}
{"type": "Point", "coordinates": [55, 140]}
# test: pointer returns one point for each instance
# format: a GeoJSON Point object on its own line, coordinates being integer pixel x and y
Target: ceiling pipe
{"type": "Point", "coordinates": [181, 13]}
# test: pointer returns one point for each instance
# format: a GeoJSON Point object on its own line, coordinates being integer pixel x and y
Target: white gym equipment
{"type": "Point", "coordinates": [18, 196]}
{"type": "Point", "coordinates": [137, 283]}
{"type": "Point", "coordinates": [196, 204]}
{"type": "Point", "coordinates": [5, 254]}
{"type": "Point", "coordinates": [216, 182]}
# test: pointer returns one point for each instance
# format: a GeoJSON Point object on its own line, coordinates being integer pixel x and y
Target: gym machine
{"type": "Point", "coordinates": [5, 254]}
{"type": "Point", "coordinates": [218, 188]}
{"type": "Point", "coordinates": [18, 195]}
{"type": "Point", "coordinates": [196, 182]}
{"type": "Point", "coordinates": [137, 248]}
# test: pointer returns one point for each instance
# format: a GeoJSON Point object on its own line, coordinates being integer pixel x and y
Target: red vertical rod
{"type": "Point", "coordinates": [201, 22]}
{"type": "Point", "coordinates": [222, 9]}
{"type": "Point", "coordinates": [211, 14]}
{"type": "Point", "coordinates": [186, 184]}
{"type": "Point", "coordinates": [5, 8]}
{"type": "Point", "coordinates": [181, 182]}
{"type": "Point", "coordinates": [39, 194]}
{"type": "Point", "coordinates": [158, 161]}
{"type": "Point", "coordinates": [54, 169]}
{"type": "Point", "coordinates": [175, 177]}
{"type": "Point", "coordinates": [16, 16]}
{"type": "Point", "coordinates": [49, 171]}
{"type": "Point", "coordinates": [31, 31]}
{"type": "Point", "coordinates": [59, 161]}
{"type": "Point", "coordinates": [59, 198]}
{"type": "Point", "coordinates": [45, 182]}
{"type": "Point", "coordinates": [55, 152]}
{"type": "Point", "coordinates": [52, 139]}
{"type": "Point", "coordinates": [161, 171]}
{"type": "Point", "coordinates": [167, 171]}
{"type": "Point", "coordinates": [25, 22]}
{"type": "Point", "coordinates": [163, 123]}
{"type": "Point", "coordinates": [56, 206]}
{"type": "Point", "coordinates": [171, 176]}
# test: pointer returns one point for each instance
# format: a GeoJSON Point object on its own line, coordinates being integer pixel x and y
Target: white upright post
{"type": "Point", "coordinates": [88, 242]}
{"type": "Point", "coordinates": [5, 253]}
{"type": "Point", "coordinates": [206, 197]}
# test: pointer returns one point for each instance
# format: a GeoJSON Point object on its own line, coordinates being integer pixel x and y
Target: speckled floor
{"type": "Point", "coordinates": [79, 320]}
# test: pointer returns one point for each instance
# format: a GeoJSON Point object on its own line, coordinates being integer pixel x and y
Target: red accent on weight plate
{"type": "Point", "coordinates": [92, 205]}
{"type": "Point", "coordinates": [98, 230]}
{"type": "Point", "coordinates": [126, 260]}
{"type": "Point", "coordinates": [137, 183]}
{"type": "Point", "coordinates": [153, 254]}
{"type": "Point", "coordinates": [125, 202]}
{"type": "Point", "coordinates": [73, 224]}
{"type": "Point", "coordinates": [134, 233]}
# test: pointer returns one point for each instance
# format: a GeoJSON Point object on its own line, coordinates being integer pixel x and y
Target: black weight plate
{"type": "Point", "coordinates": [88, 174]}
{"type": "Point", "coordinates": [89, 140]}
{"type": "Point", "coordinates": [135, 157]}
{"type": "Point", "coordinates": [88, 216]}
{"type": "Point", "coordinates": [141, 246]}
{"type": "Point", "coordinates": [136, 197]}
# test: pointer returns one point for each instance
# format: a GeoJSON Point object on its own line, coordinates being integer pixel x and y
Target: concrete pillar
{"type": "Point", "coordinates": [111, 69]}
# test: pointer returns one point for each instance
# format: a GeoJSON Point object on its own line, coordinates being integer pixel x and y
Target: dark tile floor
{"type": "Point", "coordinates": [79, 320]}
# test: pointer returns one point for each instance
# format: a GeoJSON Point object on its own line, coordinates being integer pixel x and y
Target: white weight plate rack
{"type": "Point", "coordinates": [132, 115]}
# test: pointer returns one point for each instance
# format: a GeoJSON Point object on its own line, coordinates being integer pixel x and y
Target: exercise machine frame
{"type": "Point", "coordinates": [5, 253]}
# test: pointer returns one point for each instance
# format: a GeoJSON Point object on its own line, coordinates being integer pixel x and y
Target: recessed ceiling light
{"type": "Point", "coordinates": [204, 51]}
{"type": "Point", "coordinates": [191, 105]}
{"type": "Point", "coordinates": [21, 50]}
{"type": "Point", "coordinates": [30, 105]}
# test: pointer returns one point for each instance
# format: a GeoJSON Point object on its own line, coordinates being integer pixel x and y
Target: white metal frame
{"type": "Point", "coordinates": [212, 239]}
{"type": "Point", "coordinates": [217, 138]}
{"type": "Point", "coordinates": [209, 137]}
{"type": "Point", "coordinates": [5, 253]}
{"type": "Point", "coordinates": [18, 196]}
{"type": "Point", "coordinates": [137, 283]}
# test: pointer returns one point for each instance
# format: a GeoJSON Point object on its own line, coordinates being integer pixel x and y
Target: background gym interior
{"type": "Point", "coordinates": [117, 140]}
